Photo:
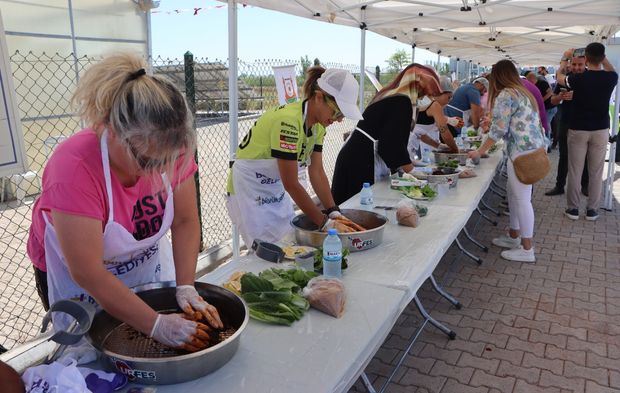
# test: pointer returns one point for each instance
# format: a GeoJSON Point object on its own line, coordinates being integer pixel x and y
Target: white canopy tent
{"type": "Point", "coordinates": [528, 32]}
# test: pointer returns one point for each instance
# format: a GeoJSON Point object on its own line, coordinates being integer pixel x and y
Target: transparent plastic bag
{"type": "Point", "coordinates": [407, 214]}
{"type": "Point", "coordinates": [326, 295]}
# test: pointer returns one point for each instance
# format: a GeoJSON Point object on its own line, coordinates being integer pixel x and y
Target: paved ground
{"type": "Point", "coordinates": [553, 326]}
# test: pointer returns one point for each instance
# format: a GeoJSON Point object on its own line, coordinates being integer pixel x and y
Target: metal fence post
{"type": "Point", "coordinates": [190, 95]}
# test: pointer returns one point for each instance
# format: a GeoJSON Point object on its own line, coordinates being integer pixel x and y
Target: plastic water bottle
{"type": "Point", "coordinates": [366, 195]}
{"type": "Point", "coordinates": [459, 142]}
{"type": "Point", "coordinates": [332, 255]}
{"type": "Point", "coordinates": [426, 154]}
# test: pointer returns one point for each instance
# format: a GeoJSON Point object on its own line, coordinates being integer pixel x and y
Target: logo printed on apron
{"type": "Point", "coordinates": [132, 261]}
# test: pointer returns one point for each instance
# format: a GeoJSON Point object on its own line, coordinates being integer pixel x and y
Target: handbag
{"type": "Point", "coordinates": [532, 167]}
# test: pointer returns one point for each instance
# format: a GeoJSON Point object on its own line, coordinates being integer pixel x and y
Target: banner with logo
{"type": "Point", "coordinates": [286, 83]}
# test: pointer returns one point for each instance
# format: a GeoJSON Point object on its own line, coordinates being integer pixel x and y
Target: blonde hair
{"type": "Point", "coordinates": [148, 113]}
{"type": "Point", "coordinates": [504, 75]}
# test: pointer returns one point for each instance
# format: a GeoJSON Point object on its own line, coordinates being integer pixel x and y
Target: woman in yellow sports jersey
{"type": "Point", "coordinates": [266, 167]}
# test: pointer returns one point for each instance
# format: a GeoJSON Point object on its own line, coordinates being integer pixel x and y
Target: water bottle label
{"type": "Point", "coordinates": [366, 200]}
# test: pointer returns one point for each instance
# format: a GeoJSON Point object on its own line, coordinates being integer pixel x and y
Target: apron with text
{"type": "Point", "coordinates": [260, 207]}
{"type": "Point", "coordinates": [132, 261]}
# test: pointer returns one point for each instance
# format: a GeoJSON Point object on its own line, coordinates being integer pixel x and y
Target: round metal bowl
{"type": "Point", "coordinates": [172, 368]}
{"type": "Point", "coordinates": [307, 232]}
{"type": "Point", "coordinates": [442, 156]}
{"type": "Point", "coordinates": [450, 177]}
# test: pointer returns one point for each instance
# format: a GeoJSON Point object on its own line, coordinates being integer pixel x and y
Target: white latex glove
{"type": "Point", "coordinates": [177, 332]}
{"type": "Point", "coordinates": [328, 225]}
{"type": "Point", "coordinates": [335, 214]}
{"type": "Point", "coordinates": [443, 147]}
{"type": "Point", "coordinates": [453, 121]}
{"type": "Point", "coordinates": [190, 302]}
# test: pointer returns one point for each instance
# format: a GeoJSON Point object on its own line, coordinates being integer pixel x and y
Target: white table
{"type": "Point", "coordinates": [324, 354]}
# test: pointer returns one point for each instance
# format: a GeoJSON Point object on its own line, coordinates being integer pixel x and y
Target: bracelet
{"type": "Point", "coordinates": [334, 208]}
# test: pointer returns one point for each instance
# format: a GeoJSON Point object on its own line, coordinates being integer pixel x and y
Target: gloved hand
{"type": "Point", "coordinates": [329, 223]}
{"type": "Point", "coordinates": [177, 332]}
{"type": "Point", "coordinates": [335, 214]}
{"type": "Point", "coordinates": [443, 147]}
{"type": "Point", "coordinates": [190, 302]}
{"type": "Point", "coordinates": [456, 122]}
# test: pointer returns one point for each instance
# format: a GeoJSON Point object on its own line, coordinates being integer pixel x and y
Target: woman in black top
{"type": "Point", "coordinates": [387, 120]}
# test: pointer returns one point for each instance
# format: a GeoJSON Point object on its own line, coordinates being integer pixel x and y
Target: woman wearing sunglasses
{"type": "Point", "coordinates": [109, 195]}
{"type": "Point", "coordinates": [264, 181]}
{"type": "Point", "coordinates": [378, 146]}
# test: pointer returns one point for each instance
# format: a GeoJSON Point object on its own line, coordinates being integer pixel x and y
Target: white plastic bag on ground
{"type": "Point", "coordinates": [54, 377]}
{"type": "Point", "coordinates": [326, 295]}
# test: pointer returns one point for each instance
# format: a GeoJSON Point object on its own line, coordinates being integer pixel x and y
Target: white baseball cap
{"type": "Point", "coordinates": [483, 81]}
{"type": "Point", "coordinates": [344, 88]}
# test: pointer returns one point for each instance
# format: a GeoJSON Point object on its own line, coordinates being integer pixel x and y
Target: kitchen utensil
{"type": "Point", "coordinates": [307, 232]}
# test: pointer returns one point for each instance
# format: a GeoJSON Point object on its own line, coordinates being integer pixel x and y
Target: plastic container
{"type": "Point", "coordinates": [332, 255]}
{"type": "Point", "coordinates": [426, 154]}
{"type": "Point", "coordinates": [366, 195]}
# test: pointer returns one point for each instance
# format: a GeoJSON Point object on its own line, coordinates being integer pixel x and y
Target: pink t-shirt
{"type": "Point", "coordinates": [73, 183]}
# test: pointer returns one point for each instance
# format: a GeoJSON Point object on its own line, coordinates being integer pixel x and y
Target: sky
{"type": "Point", "coordinates": [264, 34]}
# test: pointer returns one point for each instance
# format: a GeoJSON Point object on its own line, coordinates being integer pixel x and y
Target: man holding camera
{"type": "Point", "coordinates": [564, 96]}
{"type": "Point", "coordinates": [589, 126]}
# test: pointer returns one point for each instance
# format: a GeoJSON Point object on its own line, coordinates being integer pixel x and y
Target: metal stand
{"type": "Point", "coordinates": [467, 253]}
{"type": "Point", "coordinates": [489, 208]}
{"type": "Point", "coordinates": [476, 242]}
{"type": "Point", "coordinates": [451, 334]}
{"type": "Point", "coordinates": [367, 383]}
{"type": "Point", "coordinates": [496, 192]}
{"type": "Point", "coordinates": [496, 184]}
{"type": "Point", "coordinates": [445, 294]}
{"type": "Point", "coordinates": [494, 223]}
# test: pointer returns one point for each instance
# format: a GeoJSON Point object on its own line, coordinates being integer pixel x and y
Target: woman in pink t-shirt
{"type": "Point", "coordinates": [111, 192]}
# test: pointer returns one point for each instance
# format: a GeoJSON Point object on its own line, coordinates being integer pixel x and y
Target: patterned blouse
{"type": "Point", "coordinates": [515, 120]}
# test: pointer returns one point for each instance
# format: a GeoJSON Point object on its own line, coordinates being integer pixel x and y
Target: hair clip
{"type": "Point", "coordinates": [136, 75]}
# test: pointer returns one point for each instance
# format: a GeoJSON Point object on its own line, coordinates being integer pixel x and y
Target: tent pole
{"type": "Point", "coordinates": [457, 69]}
{"type": "Point", "coordinates": [413, 53]}
{"type": "Point", "coordinates": [611, 164]}
{"type": "Point", "coordinates": [233, 100]}
{"type": "Point", "coordinates": [362, 59]}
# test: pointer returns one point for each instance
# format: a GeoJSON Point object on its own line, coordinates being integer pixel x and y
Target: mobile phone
{"type": "Point", "coordinates": [579, 52]}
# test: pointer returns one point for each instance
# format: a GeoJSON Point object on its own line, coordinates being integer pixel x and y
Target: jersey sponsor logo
{"type": "Point", "coordinates": [292, 139]}
{"type": "Point", "coordinates": [285, 131]}
{"type": "Point", "coordinates": [148, 214]}
{"type": "Point", "coordinates": [288, 146]}
{"type": "Point", "coordinates": [264, 179]}
{"type": "Point", "coordinates": [260, 200]}
{"type": "Point", "coordinates": [133, 374]}
{"type": "Point", "coordinates": [288, 125]}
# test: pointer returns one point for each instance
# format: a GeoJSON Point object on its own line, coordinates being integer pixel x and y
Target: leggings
{"type": "Point", "coordinates": [520, 202]}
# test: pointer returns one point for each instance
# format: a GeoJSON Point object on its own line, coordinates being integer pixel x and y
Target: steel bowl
{"type": "Point", "coordinates": [442, 156]}
{"type": "Point", "coordinates": [307, 232]}
{"type": "Point", "coordinates": [171, 368]}
{"type": "Point", "coordinates": [450, 177]}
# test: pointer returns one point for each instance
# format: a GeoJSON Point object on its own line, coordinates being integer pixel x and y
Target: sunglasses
{"type": "Point", "coordinates": [334, 106]}
{"type": "Point", "coordinates": [145, 162]}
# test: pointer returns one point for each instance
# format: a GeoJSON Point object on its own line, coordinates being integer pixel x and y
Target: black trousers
{"type": "Point", "coordinates": [40, 278]}
{"type": "Point", "coordinates": [560, 179]}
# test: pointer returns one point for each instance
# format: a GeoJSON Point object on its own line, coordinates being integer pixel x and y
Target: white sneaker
{"type": "Point", "coordinates": [506, 241]}
{"type": "Point", "coordinates": [519, 254]}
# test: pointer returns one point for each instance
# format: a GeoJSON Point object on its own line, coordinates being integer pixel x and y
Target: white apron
{"type": "Point", "coordinates": [381, 169]}
{"type": "Point", "coordinates": [132, 261]}
{"type": "Point", "coordinates": [260, 207]}
{"type": "Point", "coordinates": [415, 144]}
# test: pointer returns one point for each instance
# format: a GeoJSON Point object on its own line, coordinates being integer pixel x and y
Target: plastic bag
{"type": "Point", "coordinates": [406, 214]}
{"type": "Point", "coordinates": [326, 295]}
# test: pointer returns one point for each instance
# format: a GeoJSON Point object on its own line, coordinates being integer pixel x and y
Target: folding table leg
{"type": "Point", "coordinates": [494, 223]}
{"type": "Point", "coordinates": [476, 242]}
{"type": "Point", "coordinates": [445, 294]}
{"type": "Point", "coordinates": [496, 192]}
{"type": "Point", "coordinates": [467, 253]}
{"type": "Point", "coordinates": [433, 322]}
{"type": "Point", "coordinates": [367, 383]}
{"type": "Point", "coordinates": [488, 207]}
{"type": "Point", "coordinates": [500, 187]}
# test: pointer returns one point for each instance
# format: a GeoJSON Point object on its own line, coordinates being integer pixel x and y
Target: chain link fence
{"type": "Point", "coordinates": [44, 84]}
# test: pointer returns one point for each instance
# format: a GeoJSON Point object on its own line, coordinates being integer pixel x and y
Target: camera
{"type": "Point", "coordinates": [579, 52]}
